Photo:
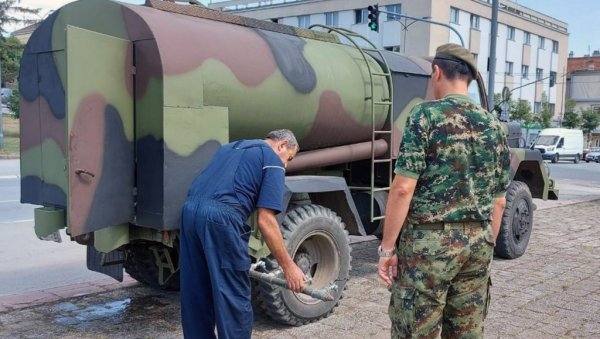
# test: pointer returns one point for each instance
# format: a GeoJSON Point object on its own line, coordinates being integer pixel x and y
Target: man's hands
{"type": "Point", "coordinates": [270, 231]}
{"type": "Point", "coordinates": [294, 277]}
{"type": "Point", "coordinates": [385, 263]}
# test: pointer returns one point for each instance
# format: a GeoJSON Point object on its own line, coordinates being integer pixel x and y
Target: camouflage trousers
{"type": "Point", "coordinates": [442, 287]}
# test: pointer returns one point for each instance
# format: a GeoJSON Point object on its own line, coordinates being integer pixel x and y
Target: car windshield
{"type": "Point", "coordinates": [595, 149]}
{"type": "Point", "coordinates": [546, 140]}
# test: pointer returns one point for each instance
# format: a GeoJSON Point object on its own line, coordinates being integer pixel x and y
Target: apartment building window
{"type": "Point", "coordinates": [509, 68]}
{"type": "Point", "coordinates": [453, 15]}
{"type": "Point", "coordinates": [537, 107]}
{"type": "Point", "coordinates": [539, 74]}
{"type": "Point", "coordinates": [475, 57]}
{"type": "Point", "coordinates": [361, 16]}
{"type": "Point", "coordinates": [474, 21]}
{"type": "Point", "coordinates": [525, 72]}
{"type": "Point", "coordinates": [511, 33]}
{"type": "Point", "coordinates": [554, 46]}
{"type": "Point", "coordinates": [527, 38]}
{"type": "Point", "coordinates": [303, 21]}
{"type": "Point", "coordinates": [393, 9]}
{"type": "Point", "coordinates": [332, 19]}
{"type": "Point", "coordinates": [541, 42]}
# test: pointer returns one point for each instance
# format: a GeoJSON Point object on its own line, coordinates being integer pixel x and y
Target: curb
{"type": "Point", "coordinates": [28, 299]}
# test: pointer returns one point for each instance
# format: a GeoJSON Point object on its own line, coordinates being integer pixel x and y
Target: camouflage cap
{"type": "Point", "coordinates": [457, 53]}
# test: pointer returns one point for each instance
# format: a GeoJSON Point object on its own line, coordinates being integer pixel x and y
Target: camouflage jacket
{"type": "Point", "coordinates": [458, 153]}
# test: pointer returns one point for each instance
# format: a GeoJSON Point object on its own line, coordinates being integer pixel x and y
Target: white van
{"type": "Point", "coordinates": [560, 144]}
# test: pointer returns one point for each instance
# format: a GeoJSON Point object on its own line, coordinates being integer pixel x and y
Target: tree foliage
{"type": "Point", "coordinates": [571, 119]}
{"type": "Point", "coordinates": [14, 103]}
{"type": "Point", "coordinates": [590, 120]}
{"type": "Point", "coordinates": [11, 50]}
{"type": "Point", "coordinates": [545, 116]}
{"type": "Point", "coordinates": [9, 10]}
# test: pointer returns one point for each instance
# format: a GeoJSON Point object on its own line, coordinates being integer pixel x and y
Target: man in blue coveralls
{"type": "Point", "coordinates": [214, 261]}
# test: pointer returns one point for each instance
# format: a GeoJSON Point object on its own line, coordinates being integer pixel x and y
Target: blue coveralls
{"type": "Point", "coordinates": [214, 260]}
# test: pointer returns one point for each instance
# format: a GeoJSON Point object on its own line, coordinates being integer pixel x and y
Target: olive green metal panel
{"type": "Point", "coordinates": [99, 106]}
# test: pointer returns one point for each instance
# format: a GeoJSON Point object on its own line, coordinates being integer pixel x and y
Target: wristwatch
{"type": "Point", "coordinates": [383, 253]}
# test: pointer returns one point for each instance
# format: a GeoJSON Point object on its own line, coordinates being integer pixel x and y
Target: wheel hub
{"type": "Point", "coordinates": [521, 220]}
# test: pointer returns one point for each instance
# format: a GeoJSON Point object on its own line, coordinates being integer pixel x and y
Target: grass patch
{"type": "Point", "coordinates": [10, 128]}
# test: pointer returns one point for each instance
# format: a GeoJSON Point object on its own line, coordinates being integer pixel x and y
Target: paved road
{"type": "Point", "coordinates": [552, 291]}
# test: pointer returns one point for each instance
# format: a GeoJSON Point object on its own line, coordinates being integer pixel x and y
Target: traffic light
{"type": "Point", "coordinates": [374, 17]}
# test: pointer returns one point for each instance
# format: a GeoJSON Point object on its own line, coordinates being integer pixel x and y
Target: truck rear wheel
{"type": "Point", "coordinates": [147, 263]}
{"type": "Point", "coordinates": [576, 160]}
{"type": "Point", "coordinates": [319, 244]}
{"type": "Point", "coordinates": [517, 222]}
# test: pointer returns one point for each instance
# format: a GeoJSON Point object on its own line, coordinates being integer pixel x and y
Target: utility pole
{"type": "Point", "coordinates": [492, 58]}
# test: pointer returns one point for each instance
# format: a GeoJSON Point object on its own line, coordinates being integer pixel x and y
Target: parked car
{"type": "Point", "coordinates": [5, 93]}
{"type": "Point", "coordinates": [593, 155]}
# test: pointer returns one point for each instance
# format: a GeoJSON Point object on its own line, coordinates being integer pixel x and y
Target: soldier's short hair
{"type": "Point", "coordinates": [284, 135]}
{"type": "Point", "coordinates": [456, 62]}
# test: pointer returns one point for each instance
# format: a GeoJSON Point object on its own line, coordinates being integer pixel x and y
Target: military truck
{"type": "Point", "coordinates": [123, 105]}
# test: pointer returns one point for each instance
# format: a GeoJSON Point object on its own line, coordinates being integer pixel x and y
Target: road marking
{"type": "Point", "coordinates": [9, 177]}
{"type": "Point", "coordinates": [16, 221]}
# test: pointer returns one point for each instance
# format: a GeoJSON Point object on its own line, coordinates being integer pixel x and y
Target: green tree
{"type": "Point", "coordinates": [590, 121]}
{"type": "Point", "coordinates": [545, 116]}
{"type": "Point", "coordinates": [521, 111]}
{"type": "Point", "coordinates": [11, 50]}
{"type": "Point", "coordinates": [14, 103]}
{"type": "Point", "coordinates": [570, 118]}
{"type": "Point", "coordinates": [9, 15]}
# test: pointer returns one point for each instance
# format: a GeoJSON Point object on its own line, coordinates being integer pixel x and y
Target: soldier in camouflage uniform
{"type": "Point", "coordinates": [444, 208]}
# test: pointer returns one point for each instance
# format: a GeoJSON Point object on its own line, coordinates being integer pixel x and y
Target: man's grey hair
{"type": "Point", "coordinates": [284, 135]}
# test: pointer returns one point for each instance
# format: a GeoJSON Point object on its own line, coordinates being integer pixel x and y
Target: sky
{"type": "Point", "coordinates": [582, 16]}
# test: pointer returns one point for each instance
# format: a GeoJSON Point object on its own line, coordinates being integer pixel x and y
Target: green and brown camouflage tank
{"type": "Point", "coordinates": [122, 105]}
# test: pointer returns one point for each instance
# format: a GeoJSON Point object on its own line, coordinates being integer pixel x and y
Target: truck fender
{"type": "Point", "coordinates": [328, 191]}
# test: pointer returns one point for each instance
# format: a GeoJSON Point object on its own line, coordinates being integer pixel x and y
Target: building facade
{"type": "Point", "coordinates": [583, 86]}
{"type": "Point", "coordinates": [531, 46]}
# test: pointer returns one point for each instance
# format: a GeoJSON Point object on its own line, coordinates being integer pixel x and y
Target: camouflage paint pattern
{"type": "Point", "coordinates": [139, 117]}
{"type": "Point", "coordinates": [442, 272]}
{"type": "Point", "coordinates": [459, 154]}
{"type": "Point", "coordinates": [123, 104]}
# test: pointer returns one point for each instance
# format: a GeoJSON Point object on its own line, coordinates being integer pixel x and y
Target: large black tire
{"type": "Point", "coordinates": [141, 265]}
{"type": "Point", "coordinates": [517, 222]}
{"type": "Point", "coordinates": [556, 158]}
{"type": "Point", "coordinates": [577, 158]}
{"type": "Point", "coordinates": [316, 239]}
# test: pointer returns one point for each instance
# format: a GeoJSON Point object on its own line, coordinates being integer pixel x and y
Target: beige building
{"type": "Point", "coordinates": [530, 45]}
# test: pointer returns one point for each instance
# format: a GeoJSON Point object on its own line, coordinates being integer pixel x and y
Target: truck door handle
{"type": "Point", "coordinates": [81, 171]}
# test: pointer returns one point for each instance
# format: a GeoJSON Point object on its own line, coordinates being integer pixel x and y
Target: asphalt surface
{"type": "Point", "coordinates": [553, 291]}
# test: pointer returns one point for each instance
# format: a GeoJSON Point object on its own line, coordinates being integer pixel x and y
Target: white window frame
{"type": "Point", "coordinates": [332, 19]}
{"type": "Point", "coordinates": [303, 21]}
{"type": "Point", "coordinates": [541, 42]}
{"type": "Point", "coordinates": [395, 8]}
{"type": "Point", "coordinates": [454, 15]}
{"type": "Point", "coordinates": [510, 33]}
{"type": "Point", "coordinates": [474, 21]}
{"type": "Point", "coordinates": [509, 68]}
{"type": "Point", "coordinates": [526, 38]}
{"type": "Point", "coordinates": [554, 46]}
{"type": "Point", "coordinates": [525, 71]}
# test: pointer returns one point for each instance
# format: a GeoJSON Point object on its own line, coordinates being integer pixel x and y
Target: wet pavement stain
{"type": "Point", "coordinates": [85, 317]}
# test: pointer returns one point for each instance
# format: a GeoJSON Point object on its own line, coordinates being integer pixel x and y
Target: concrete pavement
{"type": "Point", "coordinates": [553, 291]}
